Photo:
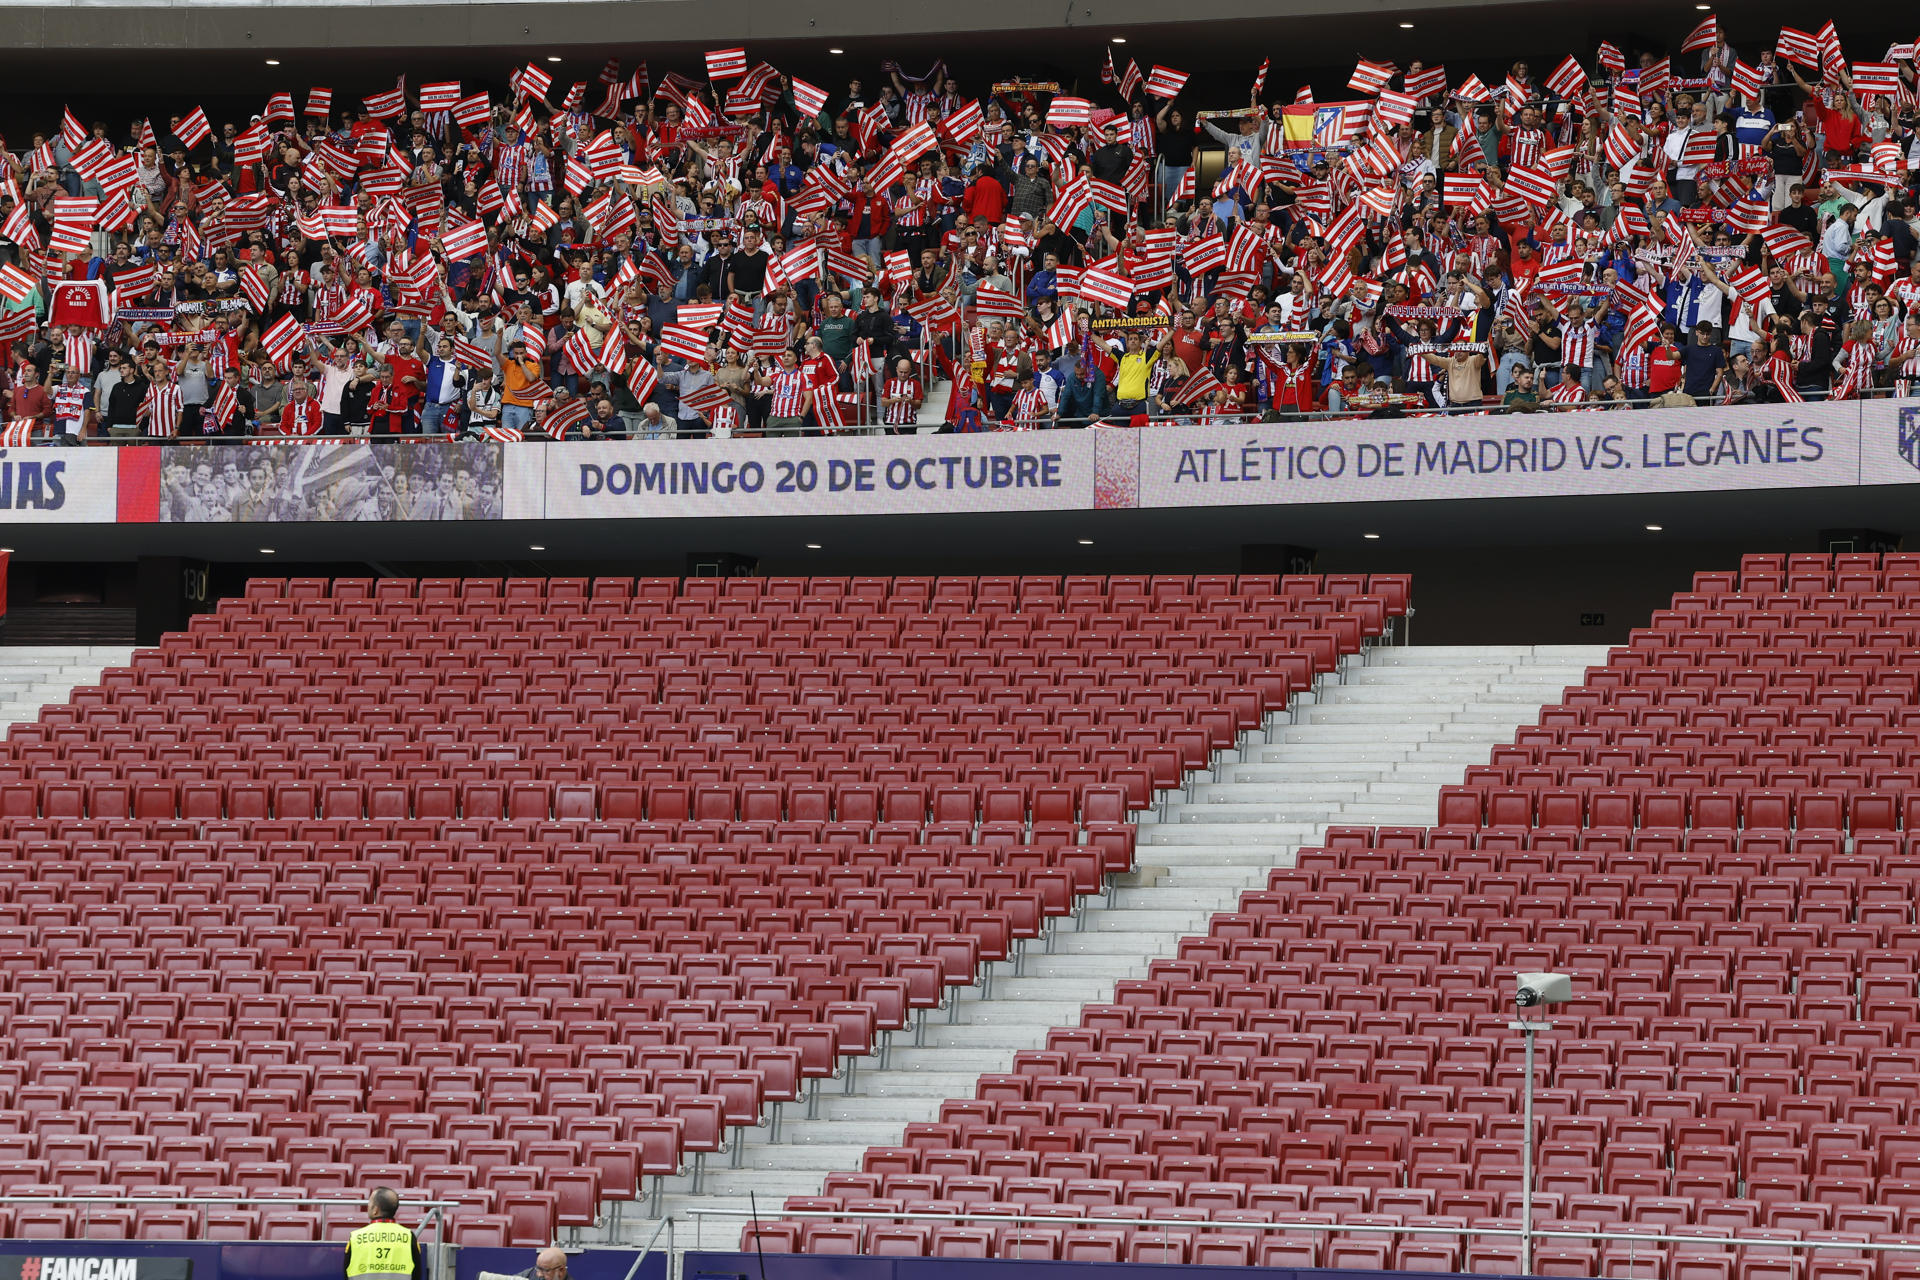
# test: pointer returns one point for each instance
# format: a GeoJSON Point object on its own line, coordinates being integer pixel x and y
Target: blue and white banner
{"type": "Point", "coordinates": [1800, 446]}
{"type": "Point", "coordinates": [59, 486]}
{"type": "Point", "coordinates": [1547, 455]}
{"type": "Point", "coordinates": [835, 476]}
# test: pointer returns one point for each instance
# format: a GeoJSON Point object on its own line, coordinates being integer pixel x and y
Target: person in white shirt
{"type": "Point", "coordinates": [1686, 177]}
{"type": "Point", "coordinates": [1837, 244]}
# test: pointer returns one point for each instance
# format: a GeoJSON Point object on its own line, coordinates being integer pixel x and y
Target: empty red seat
{"type": "Point", "coordinates": [521, 893]}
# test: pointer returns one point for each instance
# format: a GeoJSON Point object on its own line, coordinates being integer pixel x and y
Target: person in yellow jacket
{"type": "Point", "coordinates": [383, 1249]}
{"type": "Point", "coordinates": [1130, 379]}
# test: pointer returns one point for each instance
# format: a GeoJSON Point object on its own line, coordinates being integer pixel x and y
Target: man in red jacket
{"type": "Point", "coordinates": [868, 217]}
{"type": "Point", "coordinates": [986, 198]}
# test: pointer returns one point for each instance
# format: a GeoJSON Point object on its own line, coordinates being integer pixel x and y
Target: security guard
{"type": "Point", "coordinates": [383, 1249]}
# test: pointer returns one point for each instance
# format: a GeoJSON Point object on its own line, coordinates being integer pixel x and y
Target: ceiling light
{"type": "Point", "coordinates": [1086, 542]}
{"type": "Point", "coordinates": [536, 547]}
{"type": "Point", "coordinates": [553, 57]}
{"type": "Point", "coordinates": [1119, 39]}
{"type": "Point", "coordinates": [273, 62]}
{"type": "Point", "coordinates": [1654, 528]}
{"type": "Point", "coordinates": [813, 546]}
{"type": "Point", "coordinates": [1703, 7]}
{"type": "Point", "coordinates": [266, 551]}
{"type": "Point", "coordinates": [836, 51]}
{"type": "Point", "coordinates": [6, 551]}
{"type": "Point", "coordinates": [1371, 537]}
{"type": "Point", "coordinates": [1406, 26]}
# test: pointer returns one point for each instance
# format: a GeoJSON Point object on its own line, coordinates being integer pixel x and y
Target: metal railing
{"type": "Point", "coordinates": [433, 1221]}
{"type": "Point", "coordinates": [1189, 415]}
{"type": "Point", "coordinates": [1168, 1226]}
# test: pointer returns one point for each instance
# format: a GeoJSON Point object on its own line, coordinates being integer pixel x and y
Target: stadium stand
{"type": "Point", "coordinates": [518, 893]}
{"type": "Point", "coordinates": [1711, 836]}
{"type": "Point", "coordinates": [1423, 247]}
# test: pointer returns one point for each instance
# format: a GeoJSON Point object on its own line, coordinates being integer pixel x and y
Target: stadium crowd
{"type": "Point", "coordinates": [747, 253]}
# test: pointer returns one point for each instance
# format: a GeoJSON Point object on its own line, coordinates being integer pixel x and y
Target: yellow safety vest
{"type": "Point", "coordinates": [380, 1250]}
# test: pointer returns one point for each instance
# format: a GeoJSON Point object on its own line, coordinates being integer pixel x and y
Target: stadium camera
{"type": "Point", "coordinates": [1542, 988]}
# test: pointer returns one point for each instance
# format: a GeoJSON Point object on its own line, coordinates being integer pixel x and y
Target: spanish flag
{"type": "Point", "coordinates": [1324, 124]}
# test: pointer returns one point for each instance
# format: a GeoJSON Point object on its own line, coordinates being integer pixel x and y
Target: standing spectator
{"type": "Point", "coordinates": [1130, 378]}
{"type": "Point", "coordinates": [1173, 146]}
{"type": "Point", "coordinates": [522, 388]}
{"type": "Point", "coordinates": [409, 381]}
{"type": "Point", "coordinates": [383, 1249]}
{"type": "Point", "coordinates": [445, 384]}
{"type": "Point", "coordinates": [29, 400]}
{"type": "Point", "coordinates": [1703, 359]}
{"type": "Point", "coordinates": [123, 403]}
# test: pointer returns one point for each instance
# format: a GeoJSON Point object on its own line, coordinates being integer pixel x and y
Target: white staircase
{"type": "Point", "coordinates": [1372, 744]}
{"type": "Point", "coordinates": [31, 676]}
{"type": "Point", "coordinates": [933, 409]}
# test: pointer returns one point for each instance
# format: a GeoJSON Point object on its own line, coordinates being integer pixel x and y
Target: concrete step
{"type": "Point", "coordinates": [1373, 744]}
{"type": "Point", "coordinates": [33, 677]}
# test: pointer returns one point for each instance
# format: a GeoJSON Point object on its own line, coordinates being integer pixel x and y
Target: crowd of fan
{"type": "Point", "coordinates": [749, 254]}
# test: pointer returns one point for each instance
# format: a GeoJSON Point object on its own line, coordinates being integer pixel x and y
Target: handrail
{"type": "Point", "coordinates": [1190, 415]}
{"type": "Point", "coordinates": [10, 1198]}
{"type": "Point", "coordinates": [1189, 1224]}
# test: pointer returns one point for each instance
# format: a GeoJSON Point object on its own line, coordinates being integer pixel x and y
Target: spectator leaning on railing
{"type": "Point", "coordinates": [1728, 218]}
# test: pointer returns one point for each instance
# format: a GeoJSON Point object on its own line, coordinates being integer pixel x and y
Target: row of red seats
{"type": "Point", "coordinates": [1824, 650]}
{"type": "Point", "coordinates": [1298, 937]}
{"type": "Point", "coordinates": [1777, 737]}
{"type": "Point", "coordinates": [641, 662]}
{"type": "Point", "coordinates": [781, 736]}
{"type": "Point", "coordinates": [539, 801]}
{"type": "Point", "coordinates": [951, 867]}
{"type": "Point", "coordinates": [1362, 892]}
{"type": "Point", "coordinates": [1454, 848]}
{"type": "Point", "coordinates": [1180, 1155]}
{"type": "Point", "coordinates": [272, 590]}
{"type": "Point", "coordinates": [1039, 612]}
{"type": "Point", "coordinates": [1201, 1182]}
{"type": "Point", "coordinates": [558, 636]}
{"type": "Point", "coordinates": [1817, 775]}
{"type": "Point", "coordinates": [1441, 1249]}
{"type": "Point", "coordinates": [663, 727]}
{"type": "Point", "coordinates": [543, 707]}
{"type": "Point", "coordinates": [740, 1094]}
{"type": "Point", "coordinates": [1869, 674]}
{"type": "Point", "coordinates": [1741, 715]}
{"type": "Point", "coordinates": [1485, 1113]}
{"type": "Point", "coordinates": [744, 619]}
{"type": "Point", "coordinates": [1679, 804]}
{"type": "Point", "coordinates": [1718, 686]}
{"type": "Point", "coordinates": [1742, 624]}
{"type": "Point", "coordinates": [1778, 1095]}
{"type": "Point", "coordinates": [27, 1222]}
{"type": "Point", "coordinates": [1214, 1051]}
{"type": "Point", "coordinates": [1899, 750]}
{"type": "Point", "coordinates": [546, 644]}
{"type": "Point", "coordinates": [1258, 1055]}
{"type": "Point", "coordinates": [1414, 893]}
{"type": "Point", "coordinates": [1182, 1246]}
{"type": "Point", "coordinates": [1137, 768]}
